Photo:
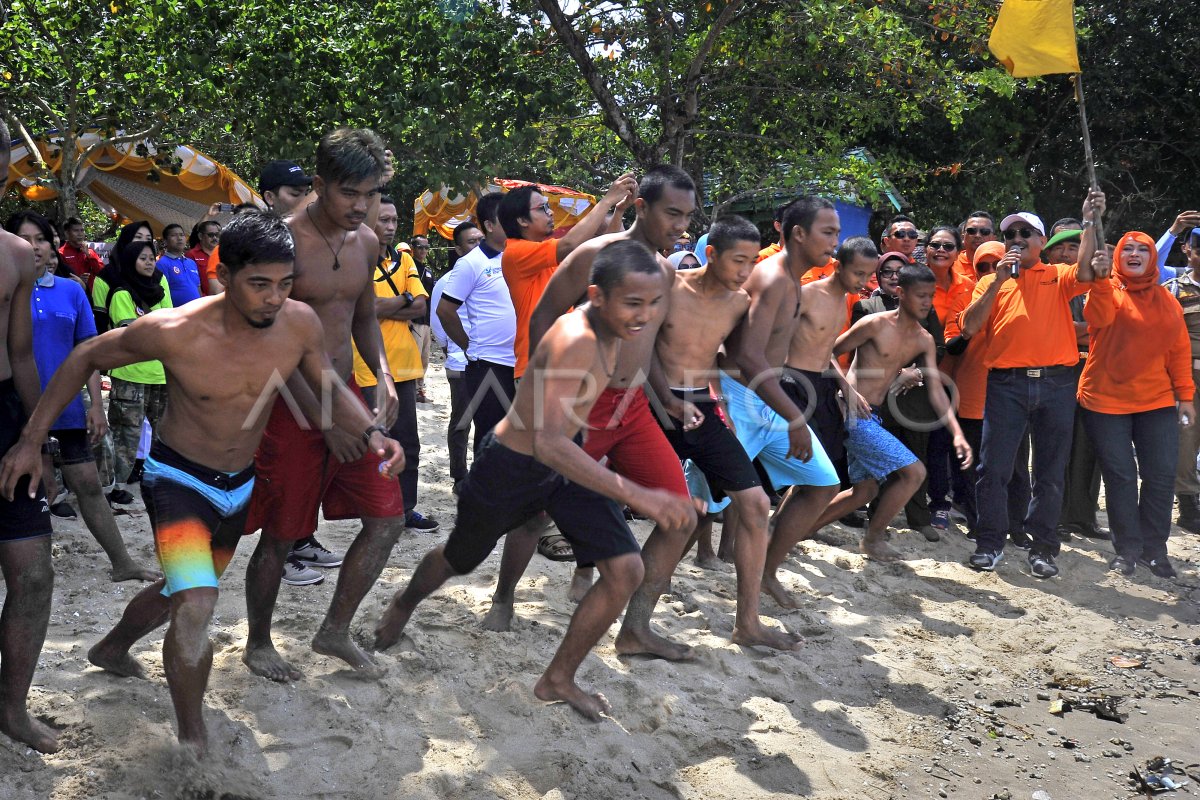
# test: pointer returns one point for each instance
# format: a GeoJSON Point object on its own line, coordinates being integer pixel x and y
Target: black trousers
{"type": "Point", "coordinates": [404, 431]}
{"type": "Point", "coordinates": [459, 426]}
{"type": "Point", "coordinates": [490, 391]}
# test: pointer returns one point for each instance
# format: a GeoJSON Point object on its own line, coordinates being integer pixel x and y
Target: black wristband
{"type": "Point", "coordinates": [366, 435]}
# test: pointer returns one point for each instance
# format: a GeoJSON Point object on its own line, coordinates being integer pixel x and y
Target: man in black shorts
{"type": "Point", "coordinates": [532, 461]}
{"type": "Point", "coordinates": [24, 515]}
{"type": "Point", "coordinates": [226, 357]}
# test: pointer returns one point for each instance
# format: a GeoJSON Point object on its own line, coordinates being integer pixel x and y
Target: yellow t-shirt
{"type": "Point", "coordinates": [403, 355]}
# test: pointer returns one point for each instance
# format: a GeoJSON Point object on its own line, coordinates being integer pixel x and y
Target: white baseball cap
{"type": "Point", "coordinates": [1024, 216]}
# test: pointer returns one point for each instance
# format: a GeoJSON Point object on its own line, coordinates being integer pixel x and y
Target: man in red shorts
{"type": "Point", "coordinates": [303, 465]}
{"type": "Point", "coordinates": [621, 426]}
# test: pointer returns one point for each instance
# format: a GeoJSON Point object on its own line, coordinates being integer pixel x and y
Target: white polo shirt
{"type": "Point", "coordinates": [456, 359]}
{"type": "Point", "coordinates": [487, 311]}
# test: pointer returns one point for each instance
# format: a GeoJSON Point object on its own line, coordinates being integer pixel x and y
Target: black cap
{"type": "Point", "coordinates": [281, 173]}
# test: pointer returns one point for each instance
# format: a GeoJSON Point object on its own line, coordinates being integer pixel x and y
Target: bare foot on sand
{"type": "Point", "coordinates": [772, 586]}
{"type": "Point", "coordinates": [118, 663]}
{"type": "Point", "coordinates": [266, 662]}
{"type": "Point", "coordinates": [648, 643]}
{"type": "Point", "coordinates": [879, 550]}
{"type": "Point", "coordinates": [33, 732]}
{"type": "Point", "coordinates": [589, 705]}
{"type": "Point", "coordinates": [767, 637]}
{"type": "Point", "coordinates": [708, 561]}
{"type": "Point", "coordinates": [338, 644]}
{"type": "Point", "coordinates": [581, 582]}
{"type": "Point", "coordinates": [498, 618]}
{"type": "Point", "coordinates": [196, 745]}
{"type": "Point", "coordinates": [133, 572]}
{"type": "Point", "coordinates": [391, 626]}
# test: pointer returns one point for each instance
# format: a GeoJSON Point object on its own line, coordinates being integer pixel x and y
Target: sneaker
{"type": "Point", "coordinates": [1042, 565]}
{"type": "Point", "coordinates": [985, 561]}
{"type": "Point", "coordinates": [930, 533]}
{"type": "Point", "coordinates": [855, 519]}
{"type": "Point", "coordinates": [63, 510]}
{"type": "Point", "coordinates": [120, 496]}
{"type": "Point", "coordinates": [314, 554]}
{"type": "Point", "coordinates": [135, 474]}
{"type": "Point", "coordinates": [941, 520]}
{"type": "Point", "coordinates": [1020, 539]}
{"type": "Point", "coordinates": [1123, 565]}
{"type": "Point", "coordinates": [416, 522]}
{"type": "Point", "coordinates": [297, 573]}
{"type": "Point", "coordinates": [1159, 566]}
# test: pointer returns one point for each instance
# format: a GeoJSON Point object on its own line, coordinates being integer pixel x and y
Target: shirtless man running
{"type": "Point", "coordinates": [24, 518]}
{"type": "Point", "coordinates": [768, 423]}
{"type": "Point", "coordinates": [225, 358]}
{"type": "Point", "coordinates": [883, 345]}
{"type": "Point", "coordinates": [621, 426]}
{"type": "Point", "coordinates": [706, 305]}
{"type": "Point", "coordinates": [301, 464]}
{"type": "Point", "coordinates": [812, 377]}
{"type": "Point", "coordinates": [530, 463]}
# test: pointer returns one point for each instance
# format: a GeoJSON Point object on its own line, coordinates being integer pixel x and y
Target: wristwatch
{"type": "Point", "coordinates": [366, 435]}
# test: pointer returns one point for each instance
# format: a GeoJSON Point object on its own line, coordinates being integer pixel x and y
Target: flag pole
{"type": "Point", "coordinates": [1087, 151]}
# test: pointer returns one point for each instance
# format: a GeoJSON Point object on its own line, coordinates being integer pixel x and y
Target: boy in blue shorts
{"type": "Point", "coordinates": [878, 463]}
{"type": "Point", "coordinates": [226, 358]}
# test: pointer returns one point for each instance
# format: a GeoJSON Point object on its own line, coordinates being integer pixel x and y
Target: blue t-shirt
{"type": "Point", "coordinates": [183, 278]}
{"type": "Point", "coordinates": [62, 318]}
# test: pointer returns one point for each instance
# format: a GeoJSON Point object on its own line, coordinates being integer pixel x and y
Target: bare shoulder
{"type": "Point", "coordinates": [569, 336]}
{"type": "Point", "coordinates": [16, 256]}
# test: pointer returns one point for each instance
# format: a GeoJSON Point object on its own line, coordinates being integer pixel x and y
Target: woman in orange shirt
{"type": "Point", "coordinates": [1136, 390]}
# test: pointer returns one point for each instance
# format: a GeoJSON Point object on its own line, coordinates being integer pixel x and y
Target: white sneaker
{"type": "Point", "coordinates": [297, 573]}
{"type": "Point", "coordinates": [314, 554]}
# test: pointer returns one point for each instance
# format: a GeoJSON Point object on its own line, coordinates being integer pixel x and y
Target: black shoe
{"type": "Point", "coordinates": [120, 497]}
{"type": "Point", "coordinates": [1123, 565]}
{"type": "Point", "coordinates": [1042, 565]}
{"type": "Point", "coordinates": [63, 510]}
{"type": "Point", "coordinates": [1093, 531]}
{"type": "Point", "coordinates": [1020, 539]}
{"type": "Point", "coordinates": [1067, 532]}
{"type": "Point", "coordinates": [1160, 566]}
{"type": "Point", "coordinates": [855, 519]}
{"type": "Point", "coordinates": [420, 524]}
{"type": "Point", "coordinates": [1189, 513]}
{"type": "Point", "coordinates": [135, 474]}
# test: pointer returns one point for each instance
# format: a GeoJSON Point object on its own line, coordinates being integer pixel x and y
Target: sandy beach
{"type": "Point", "coordinates": [918, 679]}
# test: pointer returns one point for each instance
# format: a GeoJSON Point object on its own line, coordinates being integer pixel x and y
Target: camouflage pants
{"type": "Point", "coordinates": [128, 404]}
{"type": "Point", "coordinates": [102, 451]}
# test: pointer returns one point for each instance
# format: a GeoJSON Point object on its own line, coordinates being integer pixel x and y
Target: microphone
{"type": "Point", "coordinates": [1016, 268]}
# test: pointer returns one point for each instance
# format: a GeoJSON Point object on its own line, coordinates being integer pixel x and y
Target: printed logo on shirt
{"type": "Point", "coordinates": [1050, 282]}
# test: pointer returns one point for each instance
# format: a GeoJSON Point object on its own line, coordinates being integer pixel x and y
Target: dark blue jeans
{"type": "Point", "coordinates": [1016, 403]}
{"type": "Point", "coordinates": [404, 431]}
{"type": "Point", "coordinates": [1018, 485]}
{"type": "Point", "coordinates": [1130, 446]}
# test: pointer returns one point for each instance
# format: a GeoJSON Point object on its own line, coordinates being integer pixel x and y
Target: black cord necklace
{"type": "Point", "coordinates": [336, 263]}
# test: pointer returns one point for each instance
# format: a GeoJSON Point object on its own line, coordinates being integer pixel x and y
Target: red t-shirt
{"type": "Point", "coordinates": [84, 263]}
{"type": "Point", "coordinates": [201, 258]}
{"type": "Point", "coordinates": [528, 267]}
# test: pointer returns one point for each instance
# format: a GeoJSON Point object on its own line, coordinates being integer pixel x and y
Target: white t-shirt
{"type": "Point", "coordinates": [487, 311]}
{"type": "Point", "coordinates": [456, 359]}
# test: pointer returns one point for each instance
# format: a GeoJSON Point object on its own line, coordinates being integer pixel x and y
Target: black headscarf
{"type": "Point", "coordinates": [111, 274]}
{"type": "Point", "coordinates": [147, 292]}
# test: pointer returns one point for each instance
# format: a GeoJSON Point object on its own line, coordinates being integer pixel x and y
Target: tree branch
{"type": "Point", "coordinates": [116, 140]}
{"type": "Point", "coordinates": [23, 133]}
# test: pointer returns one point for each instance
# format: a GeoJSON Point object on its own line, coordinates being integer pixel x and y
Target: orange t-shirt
{"type": "Point", "coordinates": [768, 251]}
{"type": "Point", "coordinates": [967, 369]}
{"type": "Point", "coordinates": [528, 267]}
{"type": "Point", "coordinates": [948, 297]}
{"type": "Point", "coordinates": [964, 267]}
{"type": "Point", "coordinates": [210, 269]}
{"type": "Point", "coordinates": [1164, 372]}
{"type": "Point", "coordinates": [1031, 325]}
{"type": "Point", "coordinates": [816, 273]}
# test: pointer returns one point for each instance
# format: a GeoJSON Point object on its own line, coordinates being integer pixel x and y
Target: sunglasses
{"type": "Point", "coordinates": [979, 231]}
{"type": "Point", "coordinates": [941, 246]}
{"type": "Point", "coordinates": [1013, 233]}
{"type": "Point", "coordinates": [905, 234]}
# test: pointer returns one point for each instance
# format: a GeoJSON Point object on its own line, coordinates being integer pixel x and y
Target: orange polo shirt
{"type": "Point", "coordinates": [528, 267]}
{"type": "Point", "coordinates": [948, 297]}
{"type": "Point", "coordinates": [1164, 372]}
{"type": "Point", "coordinates": [967, 369]}
{"type": "Point", "coordinates": [816, 273]}
{"type": "Point", "coordinates": [1031, 325]}
{"type": "Point", "coordinates": [964, 267]}
{"type": "Point", "coordinates": [768, 251]}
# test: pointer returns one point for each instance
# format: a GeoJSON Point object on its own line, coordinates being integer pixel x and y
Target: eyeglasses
{"type": "Point", "coordinates": [941, 246]}
{"type": "Point", "coordinates": [985, 266]}
{"type": "Point", "coordinates": [420, 247]}
{"type": "Point", "coordinates": [1013, 233]}
{"type": "Point", "coordinates": [544, 208]}
{"type": "Point", "coordinates": [904, 234]}
{"type": "Point", "coordinates": [888, 273]}
{"type": "Point", "coordinates": [978, 231]}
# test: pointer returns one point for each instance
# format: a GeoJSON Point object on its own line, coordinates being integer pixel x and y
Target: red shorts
{"type": "Point", "coordinates": [622, 426]}
{"type": "Point", "coordinates": [295, 475]}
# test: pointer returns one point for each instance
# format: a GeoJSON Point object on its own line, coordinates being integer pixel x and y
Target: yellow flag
{"type": "Point", "coordinates": [1035, 37]}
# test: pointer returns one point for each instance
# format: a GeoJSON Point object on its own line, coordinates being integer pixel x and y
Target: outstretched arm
{"type": "Point", "coordinates": [597, 218]}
